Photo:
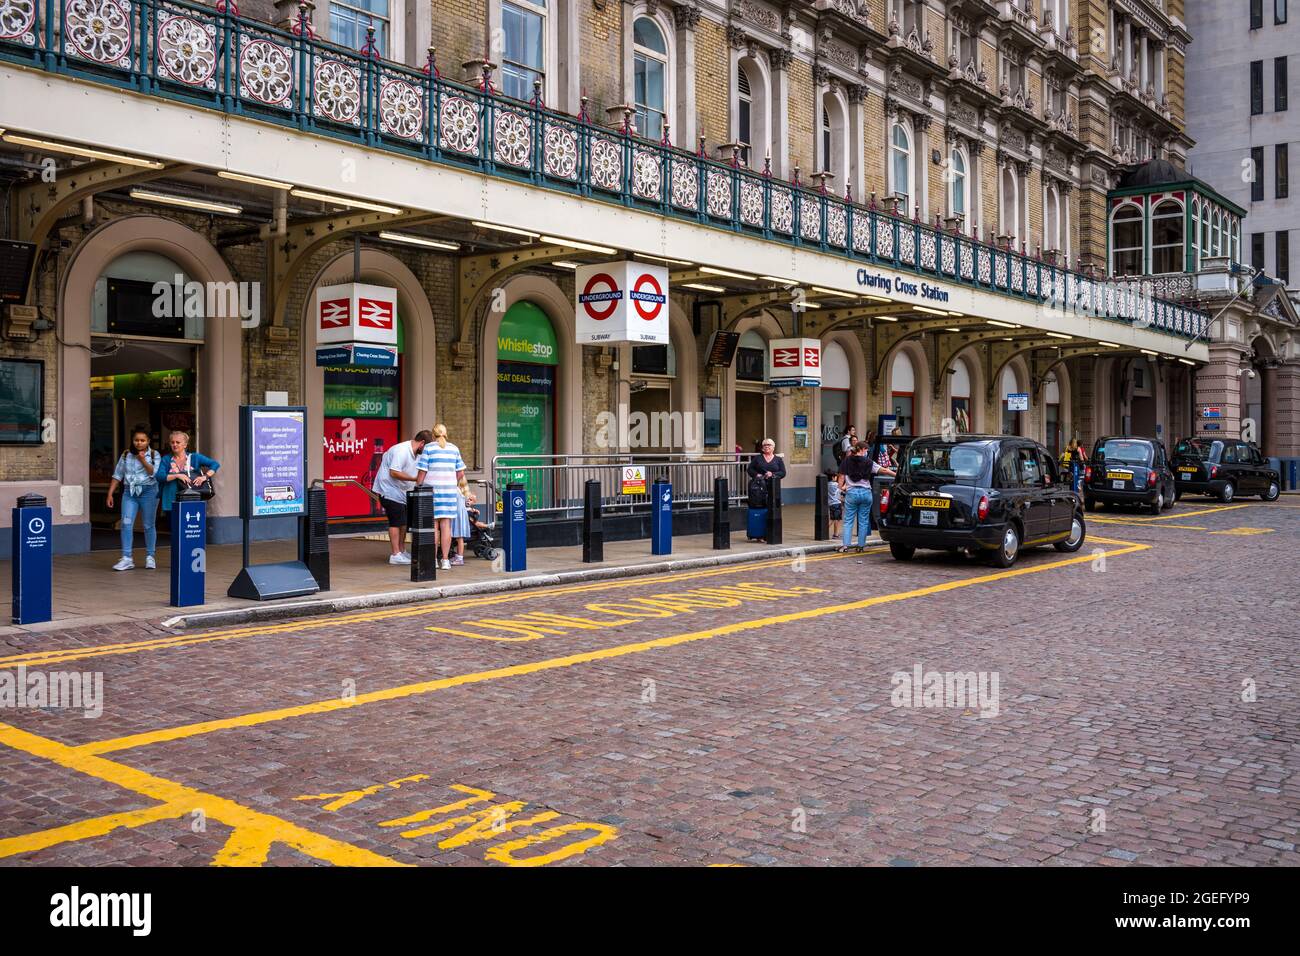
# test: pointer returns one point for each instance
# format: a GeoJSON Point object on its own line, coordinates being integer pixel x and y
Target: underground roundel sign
{"type": "Point", "coordinates": [623, 301]}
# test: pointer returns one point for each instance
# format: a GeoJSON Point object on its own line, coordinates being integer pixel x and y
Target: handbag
{"type": "Point", "coordinates": [207, 491]}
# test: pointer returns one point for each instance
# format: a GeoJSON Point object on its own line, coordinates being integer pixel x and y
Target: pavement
{"type": "Point", "coordinates": [87, 592]}
{"type": "Point", "coordinates": [1135, 703]}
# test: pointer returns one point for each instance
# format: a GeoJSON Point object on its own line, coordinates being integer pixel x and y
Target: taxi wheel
{"type": "Point", "coordinates": [1078, 531]}
{"type": "Point", "coordinates": [1009, 550]}
{"type": "Point", "coordinates": [1228, 491]}
{"type": "Point", "coordinates": [1273, 492]}
{"type": "Point", "coordinates": [1158, 505]}
{"type": "Point", "coordinates": [1171, 498]}
{"type": "Point", "coordinates": [901, 552]}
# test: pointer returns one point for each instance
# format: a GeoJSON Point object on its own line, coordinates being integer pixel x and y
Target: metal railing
{"type": "Point", "coordinates": [555, 483]}
{"type": "Point", "coordinates": [218, 60]}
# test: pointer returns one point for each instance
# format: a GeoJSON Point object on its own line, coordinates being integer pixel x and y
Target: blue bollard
{"type": "Point", "coordinates": [514, 531]}
{"type": "Point", "coordinates": [33, 560]}
{"type": "Point", "coordinates": [661, 518]}
{"type": "Point", "coordinates": [189, 549]}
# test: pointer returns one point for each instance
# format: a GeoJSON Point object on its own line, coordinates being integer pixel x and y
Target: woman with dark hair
{"type": "Point", "coordinates": [855, 479]}
{"type": "Point", "coordinates": [137, 474]}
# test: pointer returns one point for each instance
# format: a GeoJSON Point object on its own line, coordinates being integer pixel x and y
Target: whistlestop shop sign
{"type": "Point", "coordinates": [354, 312]}
{"type": "Point", "coordinates": [622, 302]}
{"type": "Point", "coordinates": [795, 363]}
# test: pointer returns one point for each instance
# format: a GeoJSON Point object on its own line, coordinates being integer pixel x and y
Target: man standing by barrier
{"type": "Point", "coordinates": [395, 477]}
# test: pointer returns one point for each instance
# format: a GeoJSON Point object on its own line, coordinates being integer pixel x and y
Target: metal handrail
{"type": "Point", "coordinates": [219, 60]}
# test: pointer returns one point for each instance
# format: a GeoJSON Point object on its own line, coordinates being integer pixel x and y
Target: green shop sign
{"type": "Point", "coordinates": [526, 335]}
{"type": "Point", "coordinates": [173, 383]}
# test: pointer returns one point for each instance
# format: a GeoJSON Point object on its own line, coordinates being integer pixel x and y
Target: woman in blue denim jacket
{"type": "Point", "coordinates": [182, 467]}
{"type": "Point", "coordinates": [137, 475]}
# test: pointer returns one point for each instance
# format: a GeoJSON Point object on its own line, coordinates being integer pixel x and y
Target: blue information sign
{"type": "Point", "coordinates": [277, 462]}
{"type": "Point", "coordinates": [514, 532]}
{"type": "Point", "coordinates": [189, 550]}
{"type": "Point", "coordinates": [661, 518]}
{"type": "Point", "coordinates": [33, 560]}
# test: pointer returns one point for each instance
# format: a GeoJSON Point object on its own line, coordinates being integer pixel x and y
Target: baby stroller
{"type": "Point", "coordinates": [481, 539]}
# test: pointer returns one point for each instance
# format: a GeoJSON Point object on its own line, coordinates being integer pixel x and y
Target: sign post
{"type": "Point", "coordinates": [33, 560]}
{"type": "Point", "coordinates": [661, 518]}
{"type": "Point", "coordinates": [624, 301]}
{"type": "Point", "coordinates": [514, 532]}
{"type": "Point", "coordinates": [189, 549]}
{"type": "Point", "coordinates": [272, 484]}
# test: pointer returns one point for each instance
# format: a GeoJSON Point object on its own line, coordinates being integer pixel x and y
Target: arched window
{"type": "Point", "coordinates": [1218, 233]}
{"type": "Point", "coordinates": [836, 401]}
{"type": "Point", "coordinates": [961, 404]}
{"type": "Point", "coordinates": [900, 165]}
{"type": "Point", "coordinates": [744, 112]}
{"type": "Point", "coordinates": [957, 195]}
{"type": "Point", "coordinates": [1206, 248]}
{"type": "Point", "coordinates": [827, 156]}
{"type": "Point", "coordinates": [1010, 204]}
{"type": "Point", "coordinates": [1167, 237]}
{"type": "Point", "coordinates": [1052, 219]}
{"type": "Point", "coordinates": [834, 153]}
{"type": "Point", "coordinates": [902, 388]}
{"type": "Point", "coordinates": [1126, 240]}
{"type": "Point", "coordinates": [1196, 235]}
{"type": "Point", "coordinates": [649, 77]}
{"type": "Point", "coordinates": [1236, 240]}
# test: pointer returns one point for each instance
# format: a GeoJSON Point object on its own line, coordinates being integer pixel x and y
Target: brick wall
{"type": "Point", "coordinates": [712, 84]}
{"type": "Point", "coordinates": [803, 147]}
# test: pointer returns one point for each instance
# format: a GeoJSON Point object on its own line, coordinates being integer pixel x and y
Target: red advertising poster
{"type": "Point", "coordinates": [355, 454]}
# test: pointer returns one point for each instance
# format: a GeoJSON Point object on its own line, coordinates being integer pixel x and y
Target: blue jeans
{"type": "Point", "coordinates": [146, 505]}
{"type": "Point", "coordinates": [857, 508]}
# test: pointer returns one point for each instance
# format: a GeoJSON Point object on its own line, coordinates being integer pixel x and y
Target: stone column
{"type": "Point", "coordinates": [856, 131]}
{"type": "Point", "coordinates": [684, 123]}
{"type": "Point", "coordinates": [1219, 384]}
{"type": "Point", "coordinates": [1268, 399]}
{"type": "Point", "coordinates": [778, 132]}
{"type": "Point", "coordinates": [1285, 440]}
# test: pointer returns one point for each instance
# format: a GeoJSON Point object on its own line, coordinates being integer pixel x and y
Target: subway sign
{"type": "Point", "coordinates": [885, 283]}
{"type": "Point", "coordinates": [621, 301]}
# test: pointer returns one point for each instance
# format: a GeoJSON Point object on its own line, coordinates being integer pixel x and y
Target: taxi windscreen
{"type": "Point", "coordinates": [956, 463]}
{"type": "Point", "coordinates": [1195, 448]}
{"type": "Point", "coordinates": [1118, 451]}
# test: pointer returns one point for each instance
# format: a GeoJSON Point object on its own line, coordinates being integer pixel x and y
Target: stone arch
{"type": "Point", "coordinates": [420, 361]}
{"type": "Point", "coordinates": [969, 357]}
{"type": "Point", "coordinates": [219, 361]}
{"type": "Point", "coordinates": [558, 306]}
{"type": "Point", "coordinates": [685, 388]}
{"type": "Point", "coordinates": [921, 404]}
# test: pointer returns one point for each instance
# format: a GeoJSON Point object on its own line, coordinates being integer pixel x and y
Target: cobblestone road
{"type": "Point", "coordinates": [1136, 703]}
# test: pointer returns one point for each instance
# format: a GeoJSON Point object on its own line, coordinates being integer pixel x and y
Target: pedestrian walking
{"type": "Point", "coordinates": [846, 443]}
{"type": "Point", "coordinates": [763, 466]}
{"type": "Point", "coordinates": [394, 477]}
{"type": "Point", "coordinates": [137, 475]}
{"type": "Point", "coordinates": [834, 502]}
{"type": "Point", "coordinates": [855, 481]}
{"type": "Point", "coordinates": [182, 468]}
{"type": "Point", "coordinates": [1078, 464]}
{"type": "Point", "coordinates": [442, 468]}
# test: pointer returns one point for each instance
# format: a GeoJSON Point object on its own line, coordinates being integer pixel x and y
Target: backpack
{"type": "Point", "coordinates": [758, 492]}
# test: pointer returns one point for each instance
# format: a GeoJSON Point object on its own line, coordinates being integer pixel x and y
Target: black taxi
{"type": "Point", "coordinates": [1224, 468]}
{"type": "Point", "coordinates": [1128, 470]}
{"type": "Point", "coordinates": [989, 495]}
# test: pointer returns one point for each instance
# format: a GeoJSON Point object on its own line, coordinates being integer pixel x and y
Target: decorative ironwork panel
{"type": "Point", "coordinates": [18, 21]}
{"type": "Point", "coordinates": [686, 184]}
{"type": "Point", "coordinates": [782, 210]}
{"type": "Point", "coordinates": [906, 243]}
{"type": "Point", "coordinates": [337, 93]}
{"type": "Point", "coordinates": [266, 71]}
{"type": "Point", "coordinates": [186, 49]}
{"type": "Point", "coordinates": [948, 255]}
{"type": "Point", "coordinates": [967, 261]}
{"type": "Point", "coordinates": [1000, 271]}
{"type": "Point", "coordinates": [401, 108]}
{"type": "Point", "coordinates": [837, 224]}
{"type": "Point", "coordinates": [606, 164]}
{"type": "Point", "coordinates": [99, 30]}
{"type": "Point", "coordinates": [751, 202]}
{"type": "Point", "coordinates": [1018, 274]}
{"type": "Point", "coordinates": [984, 261]}
{"type": "Point", "coordinates": [928, 253]}
{"type": "Point", "coordinates": [512, 138]}
{"type": "Point", "coordinates": [885, 237]}
{"type": "Point", "coordinates": [647, 179]}
{"type": "Point", "coordinates": [458, 121]}
{"type": "Point", "coordinates": [718, 193]}
{"type": "Point", "coordinates": [861, 231]}
{"type": "Point", "coordinates": [810, 218]}
{"type": "Point", "coordinates": [560, 150]}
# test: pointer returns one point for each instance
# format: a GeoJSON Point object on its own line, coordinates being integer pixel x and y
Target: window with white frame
{"type": "Point", "coordinates": [1167, 237]}
{"type": "Point", "coordinates": [523, 58]}
{"type": "Point", "coordinates": [958, 184]}
{"type": "Point", "coordinates": [963, 45]}
{"type": "Point", "coordinates": [908, 15]}
{"type": "Point", "coordinates": [1009, 185]}
{"type": "Point", "coordinates": [649, 77]}
{"type": "Point", "coordinates": [744, 112]}
{"type": "Point", "coordinates": [1196, 235]}
{"type": "Point", "coordinates": [834, 140]}
{"type": "Point", "coordinates": [900, 164]}
{"type": "Point", "coordinates": [1127, 239]}
{"type": "Point", "coordinates": [348, 22]}
{"type": "Point", "coordinates": [1052, 219]}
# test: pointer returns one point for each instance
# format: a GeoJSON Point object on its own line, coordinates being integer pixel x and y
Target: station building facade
{"type": "Point", "coordinates": [923, 187]}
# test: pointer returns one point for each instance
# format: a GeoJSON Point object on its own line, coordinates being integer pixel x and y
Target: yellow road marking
{"type": "Point", "coordinates": [1244, 531]}
{"type": "Point", "coordinates": [569, 660]}
{"type": "Point", "coordinates": [1140, 519]}
{"type": "Point", "coordinates": [1135, 524]}
{"type": "Point", "coordinates": [254, 831]}
{"type": "Point", "coordinates": [59, 656]}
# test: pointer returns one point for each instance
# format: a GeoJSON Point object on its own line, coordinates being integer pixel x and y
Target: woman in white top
{"type": "Point", "coordinates": [443, 469]}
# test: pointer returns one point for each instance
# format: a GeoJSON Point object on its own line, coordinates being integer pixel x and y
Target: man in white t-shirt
{"type": "Point", "coordinates": [395, 477]}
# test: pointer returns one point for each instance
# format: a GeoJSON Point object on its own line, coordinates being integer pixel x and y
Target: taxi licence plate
{"type": "Point", "coordinates": [1126, 475]}
{"type": "Point", "coordinates": [942, 503]}
{"type": "Point", "coordinates": [930, 518]}
{"type": "Point", "coordinates": [1117, 484]}
{"type": "Point", "coordinates": [1187, 469]}
{"type": "Point", "coordinates": [1185, 476]}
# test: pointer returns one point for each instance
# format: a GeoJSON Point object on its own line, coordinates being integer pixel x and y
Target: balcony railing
{"type": "Point", "coordinates": [218, 60]}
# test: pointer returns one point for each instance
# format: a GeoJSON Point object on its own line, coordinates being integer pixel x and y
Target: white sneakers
{"type": "Point", "coordinates": [402, 558]}
{"type": "Point", "coordinates": [150, 563]}
{"type": "Point", "coordinates": [124, 564]}
{"type": "Point", "coordinates": [445, 565]}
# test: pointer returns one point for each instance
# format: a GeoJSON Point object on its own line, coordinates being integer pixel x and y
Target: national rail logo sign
{"type": "Point", "coordinates": [795, 363]}
{"type": "Point", "coordinates": [355, 312]}
{"type": "Point", "coordinates": [621, 301]}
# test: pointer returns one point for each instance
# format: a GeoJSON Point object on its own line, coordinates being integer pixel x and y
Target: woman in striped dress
{"type": "Point", "coordinates": [442, 468]}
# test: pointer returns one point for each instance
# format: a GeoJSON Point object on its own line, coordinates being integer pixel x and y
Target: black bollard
{"type": "Point", "coordinates": [424, 542]}
{"type": "Point", "coordinates": [721, 516]}
{"type": "Point", "coordinates": [593, 532]}
{"type": "Point", "coordinates": [774, 510]}
{"type": "Point", "coordinates": [821, 516]}
{"type": "Point", "coordinates": [314, 538]}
